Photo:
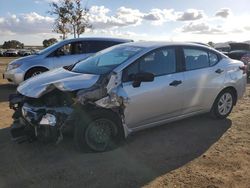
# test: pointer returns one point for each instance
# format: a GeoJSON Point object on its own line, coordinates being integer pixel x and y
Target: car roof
{"type": "Point", "coordinates": [99, 39]}
{"type": "Point", "coordinates": [157, 44]}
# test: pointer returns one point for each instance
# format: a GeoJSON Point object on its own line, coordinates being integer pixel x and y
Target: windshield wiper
{"type": "Point", "coordinates": [69, 67]}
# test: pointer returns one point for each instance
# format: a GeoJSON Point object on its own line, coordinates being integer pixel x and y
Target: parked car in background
{"type": "Point", "coordinates": [11, 53]}
{"type": "Point", "coordinates": [2, 52]}
{"type": "Point", "coordinates": [35, 51]}
{"type": "Point", "coordinates": [240, 51]}
{"type": "Point", "coordinates": [61, 54]}
{"type": "Point", "coordinates": [24, 52]}
{"type": "Point", "coordinates": [223, 49]}
{"type": "Point", "coordinates": [126, 88]}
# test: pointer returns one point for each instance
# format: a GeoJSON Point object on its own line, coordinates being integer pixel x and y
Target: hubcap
{"type": "Point", "coordinates": [225, 103]}
{"type": "Point", "coordinates": [99, 134]}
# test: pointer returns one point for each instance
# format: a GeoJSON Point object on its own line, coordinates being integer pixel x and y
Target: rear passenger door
{"type": "Point", "coordinates": [202, 78]}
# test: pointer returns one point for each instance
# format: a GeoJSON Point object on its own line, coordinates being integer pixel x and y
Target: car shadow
{"type": "Point", "coordinates": [6, 90]}
{"type": "Point", "coordinates": [142, 158]}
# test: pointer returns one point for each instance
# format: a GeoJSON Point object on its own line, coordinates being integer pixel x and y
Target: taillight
{"type": "Point", "coordinates": [245, 58]}
{"type": "Point", "coordinates": [243, 68]}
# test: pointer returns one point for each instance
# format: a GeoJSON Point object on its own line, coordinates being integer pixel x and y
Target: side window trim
{"type": "Point", "coordinates": [139, 59]}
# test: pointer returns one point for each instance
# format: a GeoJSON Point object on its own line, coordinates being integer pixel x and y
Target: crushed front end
{"type": "Point", "coordinates": [51, 109]}
{"type": "Point", "coordinates": [44, 118]}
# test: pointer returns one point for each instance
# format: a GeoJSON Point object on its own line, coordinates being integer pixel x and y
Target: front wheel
{"type": "Point", "coordinates": [34, 72]}
{"type": "Point", "coordinates": [100, 131]}
{"type": "Point", "coordinates": [223, 104]}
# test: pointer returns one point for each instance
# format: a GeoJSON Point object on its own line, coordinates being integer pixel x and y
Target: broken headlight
{"type": "Point", "coordinates": [29, 114]}
{"type": "Point", "coordinates": [48, 119]}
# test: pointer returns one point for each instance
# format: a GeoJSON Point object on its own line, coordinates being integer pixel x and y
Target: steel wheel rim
{"type": "Point", "coordinates": [36, 73]}
{"type": "Point", "coordinates": [225, 104]}
{"type": "Point", "coordinates": [99, 134]}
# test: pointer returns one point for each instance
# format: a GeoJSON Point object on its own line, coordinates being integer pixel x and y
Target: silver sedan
{"type": "Point", "coordinates": [131, 87]}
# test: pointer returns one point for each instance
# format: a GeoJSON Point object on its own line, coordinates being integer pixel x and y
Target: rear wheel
{"type": "Point", "coordinates": [223, 104]}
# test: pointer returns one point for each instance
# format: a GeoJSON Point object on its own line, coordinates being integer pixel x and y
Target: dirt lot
{"type": "Point", "coordinates": [196, 152]}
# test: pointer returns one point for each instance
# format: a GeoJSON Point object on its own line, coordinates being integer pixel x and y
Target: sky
{"type": "Point", "coordinates": [170, 20]}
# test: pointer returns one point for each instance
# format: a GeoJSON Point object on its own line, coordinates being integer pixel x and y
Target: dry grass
{"type": "Point", "coordinates": [196, 152]}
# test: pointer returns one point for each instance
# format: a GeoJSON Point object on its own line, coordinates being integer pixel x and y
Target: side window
{"type": "Point", "coordinates": [159, 62]}
{"type": "Point", "coordinates": [130, 71]}
{"type": "Point", "coordinates": [63, 51]}
{"type": "Point", "coordinates": [213, 59]}
{"type": "Point", "coordinates": [195, 59]}
{"type": "Point", "coordinates": [70, 49]}
{"type": "Point", "coordinates": [79, 47]}
{"type": "Point", "coordinates": [96, 46]}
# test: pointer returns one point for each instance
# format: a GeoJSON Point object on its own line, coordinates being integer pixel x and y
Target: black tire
{"type": "Point", "coordinates": [34, 72]}
{"type": "Point", "coordinates": [220, 110]}
{"type": "Point", "coordinates": [99, 130]}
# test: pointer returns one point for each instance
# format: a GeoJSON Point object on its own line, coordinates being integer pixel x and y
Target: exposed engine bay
{"type": "Point", "coordinates": [47, 117]}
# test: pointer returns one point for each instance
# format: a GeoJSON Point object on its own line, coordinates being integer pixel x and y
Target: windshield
{"type": "Point", "coordinates": [106, 60]}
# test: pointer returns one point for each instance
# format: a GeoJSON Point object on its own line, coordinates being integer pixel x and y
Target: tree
{"type": "Point", "coordinates": [211, 44]}
{"type": "Point", "coordinates": [49, 42]}
{"type": "Point", "coordinates": [62, 20]}
{"type": "Point", "coordinates": [78, 18]}
{"type": "Point", "coordinates": [71, 17]}
{"type": "Point", "coordinates": [12, 44]}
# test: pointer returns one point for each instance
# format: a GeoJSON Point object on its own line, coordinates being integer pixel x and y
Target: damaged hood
{"type": "Point", "coordinates": [61, 79]}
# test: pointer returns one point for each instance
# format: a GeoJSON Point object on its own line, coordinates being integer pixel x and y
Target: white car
{"type": "Point", "coordinates": [61, 54]}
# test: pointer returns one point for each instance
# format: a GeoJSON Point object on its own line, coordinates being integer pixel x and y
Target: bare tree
{"type": "Point", "coordinates": [71, 17]}
{"type": "Point", "coordinates": [82, 18]}
{"type": "Point", "coordinates": [62, 20]}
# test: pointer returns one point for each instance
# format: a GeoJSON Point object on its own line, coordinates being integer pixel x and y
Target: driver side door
{"type": "Point", "coordinates": [156, 101]}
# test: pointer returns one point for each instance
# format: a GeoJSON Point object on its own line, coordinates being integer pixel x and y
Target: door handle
{"type": "Point", "coordinates": [219, 71]}
{"type": "Point", "coordinates": [175, 83]}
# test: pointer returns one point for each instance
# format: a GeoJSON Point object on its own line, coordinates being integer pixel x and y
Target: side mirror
{"type": "Point", "coordinates": [142, 77]}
